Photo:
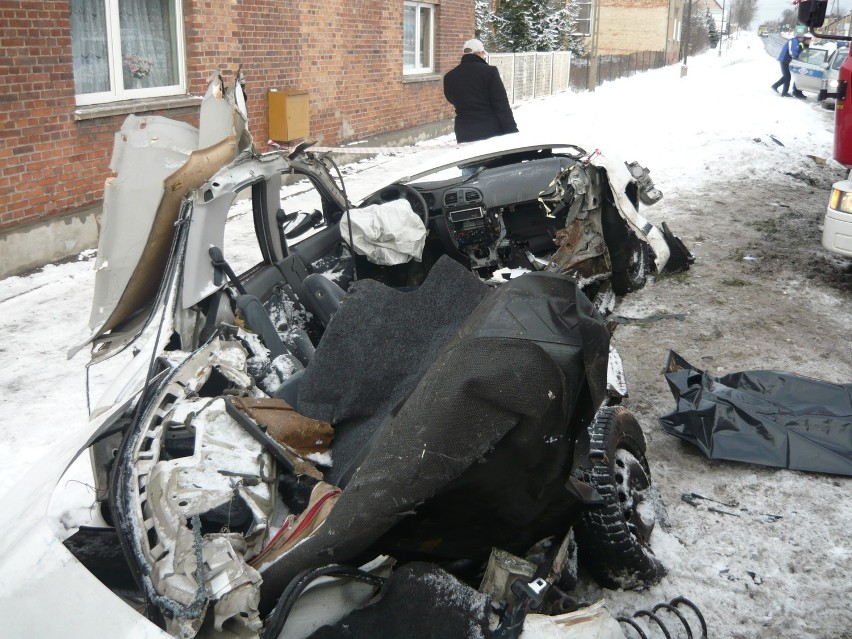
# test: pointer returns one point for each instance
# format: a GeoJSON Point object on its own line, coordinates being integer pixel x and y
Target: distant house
{"type": "Point", "coordinates": [620, 27]}
{"type": "Point", "coordinates": [74, 69]}
{"type": "Point", "coordinates": [716, 12]}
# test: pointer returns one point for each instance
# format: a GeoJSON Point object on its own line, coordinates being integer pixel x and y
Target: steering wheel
{"type": "Point", "coordinates": [399, 191]}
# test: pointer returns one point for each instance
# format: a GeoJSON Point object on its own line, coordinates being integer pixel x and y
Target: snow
{"type": "Point", "coordinates": [696, 130]}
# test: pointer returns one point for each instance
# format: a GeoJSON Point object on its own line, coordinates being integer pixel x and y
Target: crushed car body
{"type": "Point", "coordinates": [333, 416]}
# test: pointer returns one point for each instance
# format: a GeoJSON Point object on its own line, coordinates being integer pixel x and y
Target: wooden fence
{"type": "Point", "coordinates": [531, 75]}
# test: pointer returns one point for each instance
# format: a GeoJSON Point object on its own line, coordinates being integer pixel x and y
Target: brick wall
{"type": "Point", "coordinates": [347, 54]}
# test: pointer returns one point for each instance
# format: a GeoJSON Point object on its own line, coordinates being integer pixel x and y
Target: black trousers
{"type": "Point", "coordinates": [784, 81]}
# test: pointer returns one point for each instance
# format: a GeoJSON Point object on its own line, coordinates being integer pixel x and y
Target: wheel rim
{"type": "Point", "coordinates": [633, 485]}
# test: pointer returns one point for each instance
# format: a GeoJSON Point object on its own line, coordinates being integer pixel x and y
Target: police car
{"type": "Point", "coordinates": [809, 69]}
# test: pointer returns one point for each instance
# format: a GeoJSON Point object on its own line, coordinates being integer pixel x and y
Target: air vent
{"type": "Point", "coordinates": [451, 198]}
{"type": "Point", "coordinates": [472, 196]}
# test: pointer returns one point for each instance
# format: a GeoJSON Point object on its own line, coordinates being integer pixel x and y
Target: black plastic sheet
{"type": "Point", "coordinates": [475, 455]}
{"type": "Point", "coordinates": [762, 417]}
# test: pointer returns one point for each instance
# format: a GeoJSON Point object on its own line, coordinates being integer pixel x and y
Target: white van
{"type": "Point", "coordinates": [837, 228]}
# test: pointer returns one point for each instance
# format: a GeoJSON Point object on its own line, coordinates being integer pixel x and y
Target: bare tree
{"type": "Point", "coordinates": [789, 18]}
{"type": "Point", "coordinates": [743, 12]}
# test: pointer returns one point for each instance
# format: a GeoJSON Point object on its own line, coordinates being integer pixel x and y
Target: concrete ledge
{"type": "Point", "coordinates": [110, 109]}
{"type": "Point", "coordinates": [34, 245]}
{"type": "Point", "coordinates": [403, 137]}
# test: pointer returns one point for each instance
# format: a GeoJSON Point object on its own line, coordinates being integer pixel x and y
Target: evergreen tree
{"type": "Point", "coordinates": [712, 33]}
{"type": "Point", "coordinates": [696, 37]}
{"type": "Point", "coordinates": [487, 25]}
{"type": "Point", "coordinates": [544, 27]}
{"type": "Point", "coordinates": [514, 36]}
{"type": "Point", "coordinates": [576, 44]}
{"type": "Point", "coordinates": [534, 25]}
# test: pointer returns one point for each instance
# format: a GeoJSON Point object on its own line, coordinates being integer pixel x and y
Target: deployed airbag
{"type": "Point", "coordinates": [762, 417]}
{"type": "Point", "coordinates": [387, 234]}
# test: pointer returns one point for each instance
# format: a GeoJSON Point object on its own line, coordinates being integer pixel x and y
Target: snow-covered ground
{"type": "Point", "coordinates": [696, 133]}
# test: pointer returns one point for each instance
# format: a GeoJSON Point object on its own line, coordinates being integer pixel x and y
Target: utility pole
{"type": "Point", "coordinates": [688, 26]}
{"type": "Point", "coordinates": [595, 13]}
{"type": "Point", "coordinates": [722, 29]}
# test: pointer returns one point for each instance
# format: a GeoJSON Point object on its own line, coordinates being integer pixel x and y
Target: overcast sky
{"type": "Point", "coordinates": [772, 9]}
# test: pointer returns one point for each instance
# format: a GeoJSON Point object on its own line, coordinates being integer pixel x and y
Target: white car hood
{"type": "Point", "coordinates": [44, 591]}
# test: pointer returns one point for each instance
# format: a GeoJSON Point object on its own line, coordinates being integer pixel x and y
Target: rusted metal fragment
{"type": "Point", "coordinates": [582, 251]}
{"type": "Point", "coordinates": [286, 426]}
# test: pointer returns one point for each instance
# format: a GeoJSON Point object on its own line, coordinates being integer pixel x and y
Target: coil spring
{"type": "Point", "coordinates": [671, 607]}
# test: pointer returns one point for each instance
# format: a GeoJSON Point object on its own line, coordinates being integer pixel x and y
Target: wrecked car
{"type": "Point", "coordinates": [398, 400]}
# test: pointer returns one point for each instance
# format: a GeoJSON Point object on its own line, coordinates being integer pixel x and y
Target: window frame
{"type": "Point", "coordinates": [113, 35]}
{"type": "Point", "coordinates": [581, 4]}
{"type": "Point", "coordinates": [805, 56]}
{"type": "Point", "coordinates": [419, 5]}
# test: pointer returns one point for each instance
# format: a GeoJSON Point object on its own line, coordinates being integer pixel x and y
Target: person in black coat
{"type": "Point", "coordinates": [476, 91]}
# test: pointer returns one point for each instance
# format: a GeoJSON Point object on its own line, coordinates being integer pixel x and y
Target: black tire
{"type": "Point", "coordinates": [630, 266]}
{"type": "Point", "coordinates": [613, 537]}
{"type": "Point", "coordinates": [630, 256]}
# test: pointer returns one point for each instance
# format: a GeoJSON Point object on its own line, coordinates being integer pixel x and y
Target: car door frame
{"type": "Point", "coordinates": [806, 75]}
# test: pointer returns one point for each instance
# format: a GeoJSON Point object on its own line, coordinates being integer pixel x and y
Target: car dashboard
{"type": "Point", "coordinates": [495, 213]}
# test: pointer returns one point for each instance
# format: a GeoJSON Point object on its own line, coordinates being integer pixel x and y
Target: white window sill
{"type": "Point", "coordinates": [94, 111]}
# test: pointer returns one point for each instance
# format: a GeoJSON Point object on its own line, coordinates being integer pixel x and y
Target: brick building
{"type": "Point", "coordinates": [73, 70]}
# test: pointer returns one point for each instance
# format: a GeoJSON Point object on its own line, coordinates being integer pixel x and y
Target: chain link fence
{"type": "Point", "coordinates": [530, 75]}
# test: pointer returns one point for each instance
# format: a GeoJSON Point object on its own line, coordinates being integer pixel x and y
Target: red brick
{"type": "Point", "coordinates": [282, 43]}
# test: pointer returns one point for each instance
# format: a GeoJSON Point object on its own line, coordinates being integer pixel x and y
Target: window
{"type": "Point", "coordinates": [240, 246]}
{"type": "Point", "coordinates": [125, 49]}
{"type": "Point", "coordinates": [813, 56]}
{"type": "Point", "coordinates": [583, 23]}
{"type": "Point", "coordinates": [418, 21]}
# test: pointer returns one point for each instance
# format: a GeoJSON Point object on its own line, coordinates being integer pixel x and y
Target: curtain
{"type": "Point", "coordinates": [147, 31]}
{"type": "Point", "coordinates": [89, 46]}
{"type": "Point", "coordinates": [409, 27]}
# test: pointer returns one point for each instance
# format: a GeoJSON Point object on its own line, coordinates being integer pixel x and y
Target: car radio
{"type": "Point", "coordinates": [473, 226]}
